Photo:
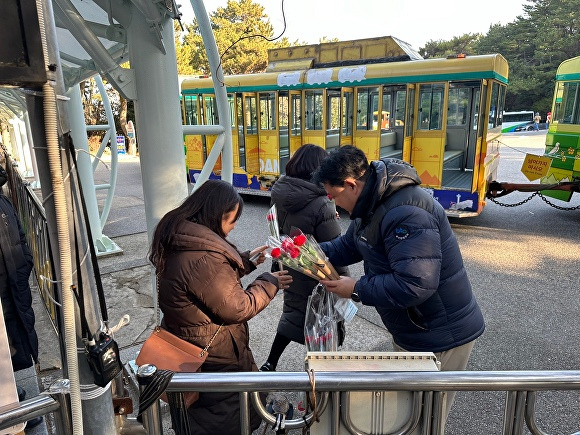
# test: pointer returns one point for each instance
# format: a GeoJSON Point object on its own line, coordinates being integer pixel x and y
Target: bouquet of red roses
{"type": "Point", "coordinates": [303, 254]}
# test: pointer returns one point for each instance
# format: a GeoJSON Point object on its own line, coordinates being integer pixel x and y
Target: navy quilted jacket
{"type": "Point", "coordinates": [413, 269]}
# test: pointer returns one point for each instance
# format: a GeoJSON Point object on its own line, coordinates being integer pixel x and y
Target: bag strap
{"type": "Point", "coordinates": [158, 326]}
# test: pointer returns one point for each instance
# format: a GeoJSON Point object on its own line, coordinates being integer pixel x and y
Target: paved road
{"type": "Point", "coordinates": [521, 260]}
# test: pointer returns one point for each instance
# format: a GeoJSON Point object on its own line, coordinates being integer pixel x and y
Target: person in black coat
{"type": "Point", "coordinates": [16, 263]}
{"type": "Point", "coordinates": [304, 205]}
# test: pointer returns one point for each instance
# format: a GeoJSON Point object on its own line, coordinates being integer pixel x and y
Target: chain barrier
{"type": "Point", "coordinates": [542, 197]}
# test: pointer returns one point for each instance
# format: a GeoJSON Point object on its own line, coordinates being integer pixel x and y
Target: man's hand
{"type": "Point", "coordinates": [342, 287]}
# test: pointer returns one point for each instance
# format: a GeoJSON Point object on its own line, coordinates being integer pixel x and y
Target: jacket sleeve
{"type": "Point", "coordinates": [217, 286]}
{"type": "Point", "coordinates": [328, 228]}
{"type": "Point", "coordinates": [342, 251]}
{"type": "Point", "coordinates": [413, 250]}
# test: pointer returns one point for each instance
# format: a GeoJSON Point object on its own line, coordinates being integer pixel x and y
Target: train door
{"type": "Point", "coordinates": [284, 128]}
{"type": "Point", "coordinates": [210, 117]}
{"type": "Point", "coordinates": [313, 128]}
{"type": "Point", "coordinates": [295, 121]}
{"type": "Point", "coordinates": [461, 136]}
{"type": "Point", "coordinates": [392, 122]}
{"type": "Point", "coordinates": [251, 145]}
{"type": "Point", "coordinates": [366, 131]}
{"type": "Point", "coordinates": [193, 142]}
{"type": "Point", "coordinates": [240, 134]}
{"type": "Point", "coordinates": [268, 133]}
{"type": "Point", "coordinates": [346, 116]}
{"type": "Point", "coordinates": [428, 143]}
{"type": "Point", "coordinates": [235, 139]}
{"type": "Point", "coordinates": [409, 124]}
{"type": "Point", "coordinates": [333, 102]}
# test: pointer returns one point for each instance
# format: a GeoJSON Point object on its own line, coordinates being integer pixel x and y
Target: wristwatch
{"type": "Point", "coordinates": [354, 296]}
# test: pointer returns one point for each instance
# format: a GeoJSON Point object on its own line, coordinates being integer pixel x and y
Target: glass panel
{"type": "Point", "coordinates": [211, 116]}
{"type": "Point", "coordinates": [268, 111]}
{"type": "Point", "coordinates": [296, 115]}
{"type": "Point", "coordinates": [493, 108]}
{"type": "Point", "coordinates": [347, 113]}
{"type": "Point", "coordinates": [567, 108]}
{"type": "Point", "coordinates": [314, 108]}
{"type": "Point", "coordinates": [399, 118]}
{"type": "Point", "coordinates": [410, 106]}
{"type": "Point", "coordinates": [241, 138]}
{"type": "Point", "coordinates": [430, 107]}
{"type": "Point", "coordinates": [385, 119]}
{"type": "Point", "coordinates": [367, 104]}
{"type": "Point", "coordinates": [333, 110]}
{"type": "Point", "coordinates": [475, 115]}
{"type": "Point", "coordinates": [458, 106]}
{"type": "Point", "coordinates": [191, 109]}
{"type": "Point", "coordinates": [232, 110]}
{"type": "Point", "coordinates": [251, 116]}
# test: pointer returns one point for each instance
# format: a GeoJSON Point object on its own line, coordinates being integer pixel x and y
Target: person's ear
{"type": "Point", "coordinates": [350, 183]}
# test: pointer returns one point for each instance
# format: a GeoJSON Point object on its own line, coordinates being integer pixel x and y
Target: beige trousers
{"type": "Point", "coordinates": [451, 360]}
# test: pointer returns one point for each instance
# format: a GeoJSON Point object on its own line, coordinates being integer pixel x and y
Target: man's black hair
{"type": "Point", "coordinates": [346, 161]}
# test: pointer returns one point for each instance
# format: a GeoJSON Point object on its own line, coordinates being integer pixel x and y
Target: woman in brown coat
{"type": "Point", "coordinates": [200, 288]}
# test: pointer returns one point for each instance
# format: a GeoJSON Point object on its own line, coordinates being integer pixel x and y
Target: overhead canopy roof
{"type": "Point", "coordinates": [90, 37]}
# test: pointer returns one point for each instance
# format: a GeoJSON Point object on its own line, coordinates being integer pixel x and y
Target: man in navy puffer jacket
{"type": "Point", "coordinates": [413, 269]}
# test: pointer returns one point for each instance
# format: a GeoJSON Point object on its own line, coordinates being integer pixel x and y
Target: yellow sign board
{"type": "Point", "coordinates": [536, 167]}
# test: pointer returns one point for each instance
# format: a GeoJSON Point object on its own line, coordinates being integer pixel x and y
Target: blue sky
{"type": "Point", "coordinates": [413, 21]}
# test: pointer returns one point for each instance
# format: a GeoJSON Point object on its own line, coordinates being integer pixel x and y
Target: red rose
{"type": "Point", "coordinates": [299, 240]}
{"type": "Point", "coordinates": [275, 253]}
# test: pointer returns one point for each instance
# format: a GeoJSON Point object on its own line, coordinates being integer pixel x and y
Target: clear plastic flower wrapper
{"type": "Point", "coordinates": [272, 218]}
{"type": "Point", "coordinates": [321, 321]}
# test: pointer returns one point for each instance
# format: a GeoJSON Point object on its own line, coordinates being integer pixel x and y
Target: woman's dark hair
{"type": "Point", "coordinates": [305, 161]}
{"type": "Point", "coordinates": [206, 206]}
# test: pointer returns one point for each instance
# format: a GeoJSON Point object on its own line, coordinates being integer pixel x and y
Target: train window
{"type": "Point", "coordinates": [496, 105]}
{"type": "Point", "coordinates": [410, 106]}
{"type": "Point", "coordinates": [458, 106]}
{"type": "Point", "coordinates": [333, 110]}
{"type": "Point", "coordinates": [347, 113]}
{"type": "Point", "coordinates": [251, 116]}
{"type": "Point", "coordinates": [387, 110]}
{"type": "Point", "coordinates": [283, 109]}
{"type": "Point", "coordinates": [567, 107]}
{"type": "Point", "coordinates": [232, 110]}
{"type": "Point", "coordinates": [430, 107]}
{"type": "Point", "coordinates": [367, 103]}
{"type": "Point", "coordinates": [211, 114]}
{"type": "Point", "coordinates": [313, 110]}
{"type": "Point", "coordinates": [399, 110]}
{"type": "Point", "coordinates": [191, 109]}
{"type": "Point", "coordinates": [296, 115]}
{"type": "Point", "coordinates": [268, 111]}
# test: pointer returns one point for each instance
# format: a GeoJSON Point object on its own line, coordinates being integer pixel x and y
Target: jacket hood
{"type": "Point", "coordinates": [190, 236]}
{"type": "Point", "coordinates": [293, 194]}
{"type": "Point", "coordinates": [386, 177]}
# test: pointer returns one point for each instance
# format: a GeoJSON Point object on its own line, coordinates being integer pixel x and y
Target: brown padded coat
{"type": "Point", "coordinates": [199, 289]}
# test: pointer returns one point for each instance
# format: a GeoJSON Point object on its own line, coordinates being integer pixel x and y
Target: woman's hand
{"type": "Point", "coordinates": [284, 280]}
{"type": "Point", "coordinates": [257, 255]}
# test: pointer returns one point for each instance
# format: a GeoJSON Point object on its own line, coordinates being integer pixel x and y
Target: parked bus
{"type": "Point", "coordinates": [517, 121]}
{"type": "Point", "coordinates": [563, 137]}
{"type": "Point", "coordinates": [441, 115]}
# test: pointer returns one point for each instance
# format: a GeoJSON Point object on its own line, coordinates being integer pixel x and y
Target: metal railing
{"type": "Point", "coordinates": [39, 406]}
{"type": "Point", "coordinates": [33, 219]}
{"type": "Point", "coordinates": [519, 407]}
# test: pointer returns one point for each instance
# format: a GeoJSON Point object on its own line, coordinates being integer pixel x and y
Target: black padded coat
{"type": "Point", "coordinates": [16, 263]}
{"type": "Point", "coordinates": [303, 205]}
